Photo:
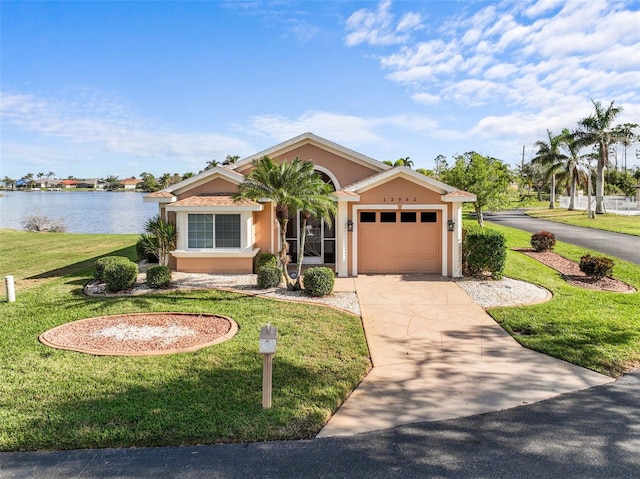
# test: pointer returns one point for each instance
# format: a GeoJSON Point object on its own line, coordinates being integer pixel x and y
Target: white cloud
{"type": "Point", "coordinates": [376, 27]}
{"type": "Point", "coordinates": [426, 98]}
{"type": "Point", "coordinates": [98, 121]}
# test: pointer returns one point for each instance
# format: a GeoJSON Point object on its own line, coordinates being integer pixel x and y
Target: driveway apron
{"type": "Point", "coordinates": [437, 355]}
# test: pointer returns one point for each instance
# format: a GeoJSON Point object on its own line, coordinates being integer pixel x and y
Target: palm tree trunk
{"type": "Point", "coordinates": [572, 189]}
{"type": "Point", "coordinates": [552, 195]}
{"type": "Point", "coordinates": [600, 187]}
{"type": "Point", "coordinates": [303, 239]}
{"type": "Point", "coordinates": [283, 255]}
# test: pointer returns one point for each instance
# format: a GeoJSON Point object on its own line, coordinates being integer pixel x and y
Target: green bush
{"type": "Point", "coordinates": [158, 276]}
{"type": "Point", "coordinates": [145, 247]}
{"type": "Point", "coordinates": [318, 281]}
{"type": "Point", "coordinates": [269, 277]}
{"type": "Point", "coordinates": [120, 274]}
{"type": "Point", "coordinates": [484, 251]}
{"type": "Point", "coordinates": [266, 259]}
{"type": "Point", "coordinates": [596, 267]}
{"type": "Point", "coordinates": [102, 263]}
{"type": "Point", "coordinates": [543, 241]}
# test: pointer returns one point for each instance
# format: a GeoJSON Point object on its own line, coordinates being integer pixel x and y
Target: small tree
{"type": "Point", "coordinates": [160, 238]}
{"type": "Point", "coordinates": [487, 178]}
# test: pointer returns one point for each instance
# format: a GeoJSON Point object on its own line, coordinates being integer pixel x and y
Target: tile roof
{"type": "Point", "coordinates": [159, 194]}
{"type": "Point", "coordinates": [214, 200]}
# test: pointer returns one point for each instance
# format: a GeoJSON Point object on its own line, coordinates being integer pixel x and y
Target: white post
{"type": "Point", "coordinates": [11, 290]}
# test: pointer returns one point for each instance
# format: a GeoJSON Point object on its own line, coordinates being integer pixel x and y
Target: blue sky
{"type": "Point", "coordinates": [93, 89]}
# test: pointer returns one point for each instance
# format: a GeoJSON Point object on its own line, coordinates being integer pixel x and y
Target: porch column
{"type": "Point", "coordinates": [456, 240]}
{"type": "Point", "coordinates": [342, 240]}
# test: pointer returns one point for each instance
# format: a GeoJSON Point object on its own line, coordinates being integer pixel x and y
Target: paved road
{"type": "Point", "coordinates": [593, 434]}
{"type": "Point", "coordinates": [623, 246]}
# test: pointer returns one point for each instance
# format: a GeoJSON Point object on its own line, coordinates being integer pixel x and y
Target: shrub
{"type": "Point", "coordinates": [158, 276]}
{"type": "Point", "coordinates": [120, 274]}
{"type": "Point", "coordinates": [43, 223]}
{"type": "Point", "coordinates": [145, 247]}
{"type": "Point", "coordinates": [484, 250]}
{"type": "Point", "coordinates": [596, 267]}
{"type": "Point", "coordinates": [543, 241]}
{"type": "Point", "coordinates": [318, 281]}
{"type": "Point", "coordinates": [266, 259]}
{"type": "Point", "coordinates": [269, 277]}
{"type": "Point", "coordinates": [102, 263]}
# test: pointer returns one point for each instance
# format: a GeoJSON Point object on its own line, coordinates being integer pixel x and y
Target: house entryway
{"type": "Point", "coordinates": [438, 355]}
{"type": "Point", "coordinates": [320, 241]}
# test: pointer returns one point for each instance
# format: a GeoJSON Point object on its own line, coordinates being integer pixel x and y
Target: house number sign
{"type": "Point", "coordinates": [400, 199]}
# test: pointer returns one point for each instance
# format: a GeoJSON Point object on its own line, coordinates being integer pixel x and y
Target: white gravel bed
{"type": "Point", "coordinates": [491, 293]}
{"type": "Point", "coordinates": [487, 293]}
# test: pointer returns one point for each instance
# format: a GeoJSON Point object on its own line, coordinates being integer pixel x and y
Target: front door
{"type": "Point", "coordinates": [314, 242]}
{"type": "Point", "coordinates": [319, 247]}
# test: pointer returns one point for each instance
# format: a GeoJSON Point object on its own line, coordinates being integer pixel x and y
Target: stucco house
{"type": "Point", "coordinates": [389, 220]}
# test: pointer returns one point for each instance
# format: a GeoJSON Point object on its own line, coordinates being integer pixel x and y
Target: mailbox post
{"type": "Point", "coordinates": [268, 336]}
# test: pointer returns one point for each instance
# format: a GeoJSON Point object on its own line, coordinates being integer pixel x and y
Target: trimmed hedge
{"type": "Point", "coordinates": [102, 263]}
{"type": "Point", "coordinates": [269, 277]}
{"type": "Point", "coordinates": [158, 276]}
{"type": "Point", "coordinates": [484, 251]}
{"type": "Point", "coordinates": [266, 259]}
{"type": "Point", "coordinates": [596, 267]}
{"type": "Point", "coordinates": [318, 281]}
{"type": "Point", "coordinates": [120, 274]}
{"type": "Point", "coordinates": [543, 241]}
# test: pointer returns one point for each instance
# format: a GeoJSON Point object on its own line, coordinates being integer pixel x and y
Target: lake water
{"type": "Point", "coordinates": [80, 211]}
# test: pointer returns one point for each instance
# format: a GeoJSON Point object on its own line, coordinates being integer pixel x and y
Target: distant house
{"type": "Point", "coordinates": [389, 220]}
{"type": "Point", "coordinates": [69, 184]}
{"type": "Point", "coordinates": [88, 183]}
{"type": "Point", "coordinates": [131, 183]}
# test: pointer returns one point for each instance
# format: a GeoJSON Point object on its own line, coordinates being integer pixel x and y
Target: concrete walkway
{"type": "Point", "coordinates": [437, 355]}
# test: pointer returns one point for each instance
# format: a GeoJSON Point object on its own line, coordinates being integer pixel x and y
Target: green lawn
{"type": "Point", "coordinates": [608, 222]}
{"type": "Point", "coordinates": [53, 399]}
{"type": "Point", "coordinates": [596, 330]}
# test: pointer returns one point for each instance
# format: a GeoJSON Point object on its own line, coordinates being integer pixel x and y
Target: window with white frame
{"type": "Point", "coordinates": [213, 231]}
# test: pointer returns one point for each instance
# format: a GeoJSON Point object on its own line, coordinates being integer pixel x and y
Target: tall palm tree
{"type": "Point", "coordinates": [291, 186]}
{"type": "Point", "coordinates": [551, 158]}
{"type": "Point", "coordinates": [597, 130]}
{"type": "Point", "coordinates": [572, 164]}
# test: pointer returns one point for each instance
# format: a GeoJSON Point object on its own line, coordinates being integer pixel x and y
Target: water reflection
{"type": "Point", "coordinates": [81, 211]}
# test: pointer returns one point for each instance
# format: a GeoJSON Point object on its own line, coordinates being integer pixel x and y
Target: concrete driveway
{"type": "Point", "coordinates": [437, 355]}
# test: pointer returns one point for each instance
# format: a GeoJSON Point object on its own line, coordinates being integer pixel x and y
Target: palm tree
{"type": "Point", "coordinates": [159, 238]}
{"type": "Point", "coordinates": [291, 186]}
{"type": "Point", "coordinates": [165, 180]}
{"type": "Point", "coordinates": [626, 137]}
{"type": "Point", "coordinates": [211, 164]}
{"type": "Point", "coordinates": [597, 130]}
{"type": "Point", "coordinates": [573, 163]}
{"type": "Point", "coordinates": [550, 158]}
{"type": "Point", "coordinates": [230, 160]}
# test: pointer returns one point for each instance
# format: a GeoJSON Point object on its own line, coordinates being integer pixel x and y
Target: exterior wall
{"type": "Point", "coordinates": [264, 226]}
{"type": "Point", "coordinates": [217, 185]}
{"type": "Point", "coordinates": [346, 172]}
{"type": "Point", "coordinates": [400, 191]}
{"type": "Point", "coordinates": [215, 265]}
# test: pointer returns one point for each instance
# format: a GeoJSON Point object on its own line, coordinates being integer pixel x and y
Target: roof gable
{"type": "Point", "coordinates": [310, 138]}
{"type": "Point", "coordinates": [204, 177]}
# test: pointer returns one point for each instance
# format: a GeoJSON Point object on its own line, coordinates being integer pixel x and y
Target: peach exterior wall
{"type": "Point", "coordinates": [217, 185]}
{"type": "Point", "coordinates": [347, 172]}
{"type": "Point", "coordinates": [215, 265]}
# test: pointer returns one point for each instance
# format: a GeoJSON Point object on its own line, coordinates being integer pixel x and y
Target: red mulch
{"type": "Point", "coordinates": [570, 271]}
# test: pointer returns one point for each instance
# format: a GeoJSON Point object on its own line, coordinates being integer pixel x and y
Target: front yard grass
{"type": "Point", "coordinates": [54, 399]}
{"type": "Point", "coordinates": [596, 330]}
{"type": "Point", "coordinates": [608, 222]}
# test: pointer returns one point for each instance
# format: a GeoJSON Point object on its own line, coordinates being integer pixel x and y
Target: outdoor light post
{"type": "Point", "coordinates": [10, 287]}
{"type": "Point", "coordinates": [268, 336]}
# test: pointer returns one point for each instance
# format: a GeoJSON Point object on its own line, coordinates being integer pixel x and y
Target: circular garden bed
{"type": "Point", "coordinates": [141, 334]}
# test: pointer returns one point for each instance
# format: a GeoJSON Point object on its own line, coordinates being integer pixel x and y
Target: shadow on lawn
{"type": "Point", "coordinates": [199, 402]}
{"type": "Point", "coordinates": [73, 269]}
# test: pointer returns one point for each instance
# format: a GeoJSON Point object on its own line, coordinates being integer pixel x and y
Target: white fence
{"type": "Point", "coordinates": [619, 205]}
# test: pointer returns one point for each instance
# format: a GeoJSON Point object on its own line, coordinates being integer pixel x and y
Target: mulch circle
{"type": "Point", "coordinates": [570, 271]}
{"type": "Point", "coordinates": [141, 334]}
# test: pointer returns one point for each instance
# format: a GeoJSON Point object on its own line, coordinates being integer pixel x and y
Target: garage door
{"type": "Point", "coordinates": [399, 241]}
